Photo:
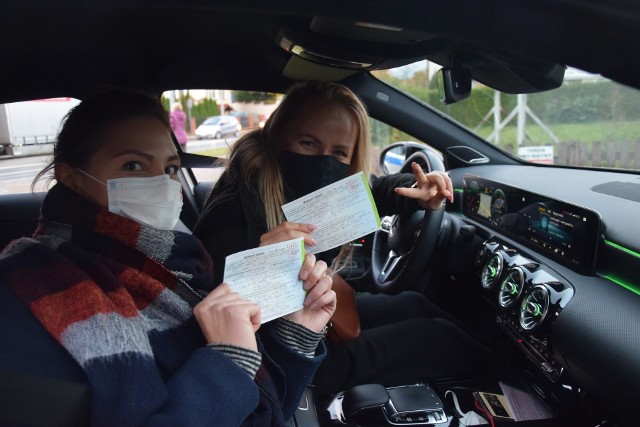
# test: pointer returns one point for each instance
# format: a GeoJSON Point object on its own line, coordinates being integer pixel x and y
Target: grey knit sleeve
{"type": "Point", "coordinates": [296, 336]}
{"type": "Point", "coordinates": [248, 360]}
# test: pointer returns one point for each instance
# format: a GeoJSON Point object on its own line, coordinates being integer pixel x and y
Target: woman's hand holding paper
{"type": "Point", "coordinates": [287, 231]}
{"type": "Point", "coordinates": [225, 317]}
{"type": "Point", "coordinates": [320, 303]}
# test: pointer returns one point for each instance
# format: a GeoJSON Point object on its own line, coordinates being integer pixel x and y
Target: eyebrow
{"type": "Point", "coordinates": [147, 156]}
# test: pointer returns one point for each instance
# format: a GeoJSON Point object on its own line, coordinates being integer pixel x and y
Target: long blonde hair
{"type": "Point", "coordinates": [256, 152]}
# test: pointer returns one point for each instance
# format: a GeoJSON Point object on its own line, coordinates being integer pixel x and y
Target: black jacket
{"type": "Point", "coordinates": [233, 218]}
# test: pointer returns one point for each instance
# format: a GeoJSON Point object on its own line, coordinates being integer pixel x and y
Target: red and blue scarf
{"type": "Point", "coordinates": [110, 291]}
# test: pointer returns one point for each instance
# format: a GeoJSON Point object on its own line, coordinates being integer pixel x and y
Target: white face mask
{"type": "Point", "coordinates": [155, 201]}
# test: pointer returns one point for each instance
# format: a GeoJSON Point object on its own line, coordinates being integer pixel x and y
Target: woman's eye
{"type": "Point", "coordinates": [340, 154]}
{"type": "Point", "coordinates": [307, 144]}
{"type": "Point", "coordinates": [132, 166]}
{"type": "Point", "coordinates": [172, 170]}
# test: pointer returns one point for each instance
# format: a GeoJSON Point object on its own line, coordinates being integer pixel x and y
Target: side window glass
{"type": "Point", "coordinates": [28, 131]}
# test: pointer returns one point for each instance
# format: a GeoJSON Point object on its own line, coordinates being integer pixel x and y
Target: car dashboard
{"type": "Point", "coordinates": [554, 257]}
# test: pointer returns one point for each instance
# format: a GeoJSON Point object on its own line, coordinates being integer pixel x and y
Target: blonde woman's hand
{"type": "Point", "coordinates": [430, 190]}
{"type": "Point", "coordinates": [320, 303]}
{"type": "Point", "coordinates": [287, 231]}
{"type": "Point", "coordinates": [224, 317]}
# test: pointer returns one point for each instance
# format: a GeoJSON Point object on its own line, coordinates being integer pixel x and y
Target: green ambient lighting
{"type": "Point", "coordinates": [629, 286]}
{"type": "Point", "coordinates": [622, 248]}
{"type": "Point", "coordinates": [459, 191]}
{"type": "Point", "coordinates": [633, 287]}
{"type": "Point", "coordinates": [538, 311]}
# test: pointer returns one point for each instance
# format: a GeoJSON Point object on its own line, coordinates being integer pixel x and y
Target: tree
{"type": "Point", "coordinates": [203, 109]}
{"type": "Point", "coordinates": [247, 96]}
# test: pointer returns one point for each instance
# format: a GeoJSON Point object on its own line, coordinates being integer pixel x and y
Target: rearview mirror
{"type": "Point", "coordinates": [454, 84]}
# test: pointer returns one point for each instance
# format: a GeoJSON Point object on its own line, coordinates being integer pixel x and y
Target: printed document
{"type": "Point", "coordinates": [269, 276]}
{"type": "Point", "coordinates": [343, 211]}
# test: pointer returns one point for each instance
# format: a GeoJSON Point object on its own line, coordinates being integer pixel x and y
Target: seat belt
{"type": "Point", "coordinates": [35, 400]}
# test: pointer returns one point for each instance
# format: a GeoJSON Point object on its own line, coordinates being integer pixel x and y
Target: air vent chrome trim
{"type": "Point", "coordinates": [467, 155]}
{"type": "Point", "coordinates": [492, 270]}
{"type": "Point", "coordinates": [534, 308]}
{"type": "Point", "coordinates": [511, 287]}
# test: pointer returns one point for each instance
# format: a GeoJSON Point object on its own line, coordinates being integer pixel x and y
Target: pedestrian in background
{"type": "Point", "coordinates": [178, 120]}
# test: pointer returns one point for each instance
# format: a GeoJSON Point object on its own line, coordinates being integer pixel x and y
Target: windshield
{"type": "Point", "coordinates": [589, 121]}
{"type": "Point", "coordinates": [211, 121]}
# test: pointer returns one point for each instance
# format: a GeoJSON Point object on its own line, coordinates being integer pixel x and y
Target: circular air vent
{"type": "Point", "coordinates": [511, 287]}
{"type": "Point", "coordinates": [492, 270]}
{"type": "Point", "coordinates": [534, 308]}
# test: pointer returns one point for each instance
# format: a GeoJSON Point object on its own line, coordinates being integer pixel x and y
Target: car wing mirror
{"type": "Point", "coordinates": [454, 84]}
{"type": "Point", "coordinates": [392, 158]}
{"type": "Point", "coordinates": [395, 156]}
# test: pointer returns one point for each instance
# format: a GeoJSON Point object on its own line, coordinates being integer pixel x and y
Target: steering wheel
{"type": "Point", "coordinates": [404, 245]}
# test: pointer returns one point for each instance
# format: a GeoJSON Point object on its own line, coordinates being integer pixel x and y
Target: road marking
{"type": "Point", "coordinates": [25, 165]}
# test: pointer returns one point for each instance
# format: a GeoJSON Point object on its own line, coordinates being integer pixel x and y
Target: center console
{"type": "Point", "coordinates": [374, 405]}
{"type": "Point", "coordinates": [529, 298]}
{"type": "Point", "coordinates": [524, 234]}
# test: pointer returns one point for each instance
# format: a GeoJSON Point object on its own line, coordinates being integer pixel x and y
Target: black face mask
{"type": "Point", "coordinates": [304, 174]}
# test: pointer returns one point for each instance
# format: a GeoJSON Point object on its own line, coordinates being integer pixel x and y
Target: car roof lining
{"type": "Point", "coordinates": [70, 48]}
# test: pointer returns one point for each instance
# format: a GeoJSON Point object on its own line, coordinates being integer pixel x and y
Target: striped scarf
{"type": "Point", "coordinates": [111, 292]}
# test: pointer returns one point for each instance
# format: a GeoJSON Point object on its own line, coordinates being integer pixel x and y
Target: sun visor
{"type": "Point", "coordinates": [298, 68]}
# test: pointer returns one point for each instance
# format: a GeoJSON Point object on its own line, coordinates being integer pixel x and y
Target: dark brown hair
{"type": "Point", "coordinates": [84, 127]}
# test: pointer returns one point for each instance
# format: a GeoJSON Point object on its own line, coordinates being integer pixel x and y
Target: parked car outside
{"type": "Point", "coordinates": [218, 126]}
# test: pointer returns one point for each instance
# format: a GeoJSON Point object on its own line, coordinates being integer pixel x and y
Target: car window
{"type": "Point", "coordinates": [251, 109]}
{"type": "Point", "coordinates": [27, 132]}
{"type": "Point", "coordinates": [229, 112]}
{"type": "Point", "coordinates": [589, 121]}
{"type": "Point", "coordinates": [212, 121]}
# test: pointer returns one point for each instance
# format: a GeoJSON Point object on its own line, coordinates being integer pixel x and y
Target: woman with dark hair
{"type": "Point", "coordinates": [318, 135]}
{"type": "Point", "coordinates": [107, 277]}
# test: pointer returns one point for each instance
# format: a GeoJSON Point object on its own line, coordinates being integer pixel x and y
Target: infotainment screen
{"type": "Point", "coordinates": [567, 233]}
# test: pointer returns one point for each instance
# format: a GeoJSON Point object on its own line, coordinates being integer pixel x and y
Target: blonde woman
{"type": "Point", "coordinates": [318, 135]}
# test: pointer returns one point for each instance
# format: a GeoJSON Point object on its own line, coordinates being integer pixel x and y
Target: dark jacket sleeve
{"type": "Point", "coordinates": [387, 201]}
{"type": "Point", "coordinates": [223, 231]}
{"type": "Point", "coordinates": [233, 395]}
{"type": "Point", "coordinates": [298, 368]}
